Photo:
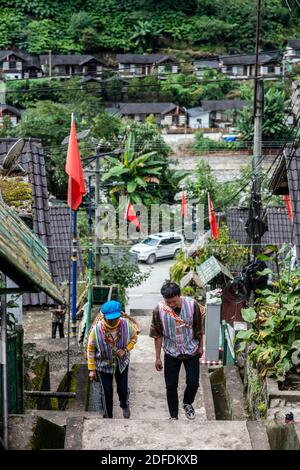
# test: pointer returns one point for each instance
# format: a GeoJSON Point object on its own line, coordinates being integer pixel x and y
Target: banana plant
{"type": "Point", "coordinates": [133, 173]}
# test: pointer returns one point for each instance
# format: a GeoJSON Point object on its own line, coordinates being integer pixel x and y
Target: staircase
{"type": "Point", "coordinates": [149, 426]}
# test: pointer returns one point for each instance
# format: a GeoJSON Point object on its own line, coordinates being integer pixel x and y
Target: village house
{"type": "Point", "coordinates": [9, 112]}
{"type": "Point", "coordinates": [164, 114]}
{"type": "Point", "coordinates": [64, 65]}
{"type": "Point", "coordinates": [14, 65]}
{"type": "Point", "coordinates": [49, 222]}
{"type": "Point", "coordinates": [292, 52]}
{"type": "Point", "coordinates": [202, 65]}
{"type": "Point", "coordinates": [243, 65]}
{"type": "Point", "coordinates": [215, 114]}
{"type": "Point", "coordinates": [130, 65]}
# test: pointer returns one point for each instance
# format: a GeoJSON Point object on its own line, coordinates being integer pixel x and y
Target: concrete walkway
{"type": "Point", "coordinates": [149, 426]}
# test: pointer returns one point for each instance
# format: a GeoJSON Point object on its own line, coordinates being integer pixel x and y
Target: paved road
{"type": "Point", "coordinates": [147, 294]}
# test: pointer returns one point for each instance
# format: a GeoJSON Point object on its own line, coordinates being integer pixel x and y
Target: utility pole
{"type": "Point", "coordinates": [50, 64]}
{"type": "Point", "coordinates": [255, 210]}
{"type": "Point", "coordinates": [97, 201]}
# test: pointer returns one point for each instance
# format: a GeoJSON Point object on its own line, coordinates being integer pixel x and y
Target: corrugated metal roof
{"type": "Point", "coordinates": [68, 59]}
{"type": "Point", "coordinates": [244, 59]}
{"type": "Point", "coordinates": [23, 257]}
{"type": "Point", "coordinates": [222, 105]}
{"type": "Point", "coordinates": [143, 108]}
{"type": "Point", "coordinates": [144, 58]}
{"type": "Point", "coordinates": [295, 43]}
{"type": "Point", "coordinates": [32, 160]}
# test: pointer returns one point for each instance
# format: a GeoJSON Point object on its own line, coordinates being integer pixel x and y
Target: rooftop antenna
{"type": "Point", "coordinates": [12, 156]}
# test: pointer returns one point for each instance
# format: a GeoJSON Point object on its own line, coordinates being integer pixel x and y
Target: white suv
{"type": "Point", "coordinates": [158, 246]}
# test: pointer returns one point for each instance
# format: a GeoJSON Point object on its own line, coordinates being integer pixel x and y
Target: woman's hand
{"type": "Point", "coordinates": [121, 352]}
{"type": "Point", "coordinates": [92, 375]}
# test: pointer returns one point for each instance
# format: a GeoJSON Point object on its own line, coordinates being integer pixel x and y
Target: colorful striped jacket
{"type": "Point", "coordinates": [101, 355]}
{"type": "Point", "coordinates": [178, 334]}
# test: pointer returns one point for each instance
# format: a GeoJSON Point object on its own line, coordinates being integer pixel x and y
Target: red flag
{"type": "Point", "coordinates": [289, 206]}
{"type": "Point", "coordinates": [212, 219]}
{"type": "Point", "coordinates": [132, 217]}
{"type": "Point", "coordinates": [183, 204]}
{"type": "Point", "coordinates": [74, 170]}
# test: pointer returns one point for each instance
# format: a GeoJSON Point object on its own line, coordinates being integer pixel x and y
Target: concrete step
{"type": "Point", "coordinates": [165, 435]}
{"type": "Point", "coordinates": [148, 393]}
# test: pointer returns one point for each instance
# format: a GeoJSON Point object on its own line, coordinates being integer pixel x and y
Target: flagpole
{"type": "Point", "coordinates": [70, 277]}
{"type": "Point", "coordinates": [74, 273]}
{"type": "Point", "coordinates": [90, 276]}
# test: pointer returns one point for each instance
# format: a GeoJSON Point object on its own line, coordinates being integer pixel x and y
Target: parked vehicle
{"type": "Point", "coordinates": [158, 246]}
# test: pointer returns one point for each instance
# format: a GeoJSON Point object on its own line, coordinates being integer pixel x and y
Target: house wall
{"type": "Point", "coordinates": [249, 70]}
{"type": "Point", "coordinates": [200, 121]}
{"type": "Point", "coordinates": [13, 118]}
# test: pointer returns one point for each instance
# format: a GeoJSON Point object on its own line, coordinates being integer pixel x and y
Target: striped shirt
{"type": "Point", "coordinates": [101, 353]}
{"type": "Point", "coordinates": [178, 338]}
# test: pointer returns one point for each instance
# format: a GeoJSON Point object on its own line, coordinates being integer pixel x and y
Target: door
{"type": "Point", "coordinates": [163, 249]}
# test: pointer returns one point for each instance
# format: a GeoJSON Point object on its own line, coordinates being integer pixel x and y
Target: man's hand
{"type": "Point", "coordinates": [158, 364]}
{"type": "Point", "coordinates": [200, 351]}
{"type": "Point", "coordinates": [120, 352]}
{"type": "Point", "coordinates": [92, 375]}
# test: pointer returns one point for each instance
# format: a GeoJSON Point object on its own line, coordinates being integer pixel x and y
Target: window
{"type": "Point", "coordinates": [165, 242]}
{"type": "Point", "coordinates": [172, 241]}
{"type": "Point", "coordinates": [150, 241]}
{"type": "Point", "coordinates": [271, 69]}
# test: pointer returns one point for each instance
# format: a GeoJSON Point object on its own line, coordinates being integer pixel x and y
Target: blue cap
{"type": "Point", "coordinates": [111, 310]}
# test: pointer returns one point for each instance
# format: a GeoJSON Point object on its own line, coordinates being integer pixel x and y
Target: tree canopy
{"type": "Point", "coordinates": [95, 25]}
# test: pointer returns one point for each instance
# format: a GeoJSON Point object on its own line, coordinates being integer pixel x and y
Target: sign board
{"type": "Point", "coordinates": [191, 277]}
{"type": "Point", "coordinates": [210, 269]}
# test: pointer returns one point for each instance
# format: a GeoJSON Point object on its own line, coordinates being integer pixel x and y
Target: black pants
{"type": "Point", "coordinates": [122, 389]}
{"type": "Point", "coordinates": [60, 329]}
{"type": "Point", "coordinates": [171, 371]}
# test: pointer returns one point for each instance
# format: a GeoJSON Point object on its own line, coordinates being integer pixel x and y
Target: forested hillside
{"type": "Point", "coordinates": [71, 26]}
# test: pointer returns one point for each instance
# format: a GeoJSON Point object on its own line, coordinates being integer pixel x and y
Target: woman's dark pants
{"type": "Point", "coordinates": [122, 389]}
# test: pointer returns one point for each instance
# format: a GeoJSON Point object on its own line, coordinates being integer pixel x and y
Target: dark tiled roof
{"type": "Point", "coordinates": [32, 61]}
{"type": "Point", "coordinates": [279, 226]}
{"type": "Point", "coordinates": [144, 58]}
{"type": "Point", "coordinates": [207, 63]}
{"type": "Point", "coordinates": [222, 105]}
{"type": "Point", "coordinates": [60, 228]}
{"type": "Point", "coordinates": [294, 43]}
{"type": "Point", "coordinates": [22, 255]}
{"type": "Point", "coordinates": [32, 160]}
{"type": "Point", "coordinates": [193, 112]}
{"type": "Point", "coordinates": [12, 109]}
{"type": "Point", "coordinates": [144, 108]}
{"type": "Point", "coordinates": [68, 59]}
{"type": "Point", "coordinates": [4, 54]}
{"type": "Point", "coordinates": [246, 59]}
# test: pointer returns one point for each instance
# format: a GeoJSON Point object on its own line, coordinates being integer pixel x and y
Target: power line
{"type": "Point", "coordinates": [100, 86]}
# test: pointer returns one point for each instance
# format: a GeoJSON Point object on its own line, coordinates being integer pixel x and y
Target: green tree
{"type": "Point", "coordinates": [11, 30]}
{"type": "Point", "coordinates": [78, 23]}
{"type": "Point", "coordinates": [133, 173]}
{"type": "Point", "coordinates": [274, 119]}
{"type": "Point", "coordinates": [205, 182]}
{"type": "Point", "coordinates": [42, 36]}
{"type": "Point", "coordinates": [145, 34]}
